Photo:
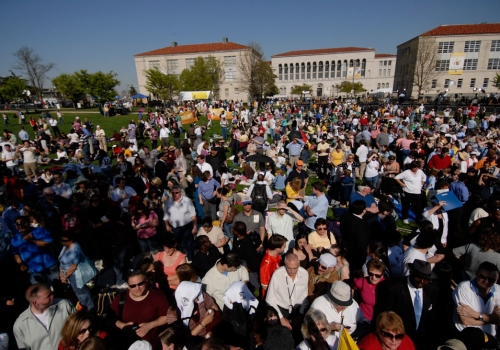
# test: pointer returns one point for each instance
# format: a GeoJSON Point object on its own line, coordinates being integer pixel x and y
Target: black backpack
{"type": "Point", "coordinates": [259, 194]}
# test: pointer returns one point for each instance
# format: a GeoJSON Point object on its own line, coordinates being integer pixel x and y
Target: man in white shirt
{"type": "Point", "coordinates": [122, 194]}
{"type": "Point", "coordinates": [476, 300]}
{"type": "Point", "coordinates": [203, 165]}
{"type": "Point", "coordinates": [225, 271]}
{"type": "Point", "coordinates": [287, 292]}
{"type": "Point", "coordinates": [362, 153]}
{"type": "Point", "coordinates": [412, 181]}
{"type": "Point", "coordinates": [338, 303]}
{"type": "Point", "coordinates": [10, 158]}
{"type": "Point", "coordinates": [281, 222]}
{"type": "Point", "coordinates": [164, 137]}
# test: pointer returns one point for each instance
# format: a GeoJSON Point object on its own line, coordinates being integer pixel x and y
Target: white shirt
{"type": "Point", "coordinates": [6, 155]}
{"type": "Point", "coordinates": [435, 222]}
{"type": "Point", "coordinates": [352, 314]}
{"type": "Point", "coordinates": [372, 168]}
{"type": "Point", "coordinates": [411, 254]}
{"type": "Point", "coordinates": [466, 293]}
{"type": "Point", "coordinates": [281, 225]}
{"type": "Point", "coordinates": [164, 132]}
{"type": "Point", "coordinates": [283, 292]}
{"type": "Point", "coordinates": [118, 193]}
{"type": "Point", "coordinates": [179, 213]}
{"type": "Point", "coordinates": [412, 181]}
{"type": "Point", "coordinates": [217, 283]}
{"type": "Point", "coordinates": [332, 340]}
{"type": "Point", "coordinates": [362, 153]}
{"type": "Point", "coordinates": [205, 166]}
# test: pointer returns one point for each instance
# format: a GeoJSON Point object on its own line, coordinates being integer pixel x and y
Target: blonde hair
{"type": "Point", "coordinates": [296, 184]}
{"type": "Point", "coordinates": [71, 329]}
{"type": "Point", "coordinates": [389, 321]}
{"type": "Point", "coordinates": [313, 317]}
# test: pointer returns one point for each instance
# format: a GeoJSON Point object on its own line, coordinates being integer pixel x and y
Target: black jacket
{"type": "Point", "coordinates": [247, 251]}
{"type": "Point", "coordinates": [356, 237]}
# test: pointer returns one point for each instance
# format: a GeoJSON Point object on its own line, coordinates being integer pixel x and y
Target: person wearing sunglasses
{"type": "Point", "coordinates": [367, 286]}
{"type": "Point", "coordinates": [143, 312]}
{"type": "Point", "coordinates": [76, 329]}
{"type": "Point", "coordinates": [317, 332]}
{"type": "Point", "coordinates": [389, 334]}
{"type": "Point", "coordinates": [476, 300]}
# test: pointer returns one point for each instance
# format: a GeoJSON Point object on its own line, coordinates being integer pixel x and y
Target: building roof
{"type": "Point", "coordinates": [464, 29]}
{"type": "Point", "coordinates": [183, 49]}
{"type": "Point", "coordinates": [322, 51]}
{"type": "Point", "coordinates": [384, 55]}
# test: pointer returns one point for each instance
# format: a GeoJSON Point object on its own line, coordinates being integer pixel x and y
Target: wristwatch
{"type": "Point", "coordinates": [481, 317]}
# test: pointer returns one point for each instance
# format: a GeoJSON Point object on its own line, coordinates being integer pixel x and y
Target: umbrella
{"type": "Point", "coordinates": [260, 158]}
{"type": "Point", "coordinates": [294, 134]}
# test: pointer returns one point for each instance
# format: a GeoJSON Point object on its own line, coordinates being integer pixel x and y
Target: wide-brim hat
{"type": "Point", "coordinates": [340, 294]}
{"type": "Point", "coordinates": [172, 148]}
{"type": "Point", "coordinates": [422, 269]}
{"type": "Point", "coordinates": [463, 155]}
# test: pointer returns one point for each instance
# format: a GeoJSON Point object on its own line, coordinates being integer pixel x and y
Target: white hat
{"type": "Point", "coordinates": [238, 292]}
{"type": "Point", "coordinates": [185, 294]}
{"type": "Point", "coordinates": [327, 260]}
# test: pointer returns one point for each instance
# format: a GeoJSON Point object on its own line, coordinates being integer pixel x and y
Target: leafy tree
{"type": "Point", "coordinates": [70, 86]}
{"type": "Point", "coordinates": [30, 64]}
{"type": "Point", "coordinates": [102, 86]}
{"type": "Point", "coordinates": [132, 91]}
{"type": "Point", "coordinates": [496, 81]}
{"type": "Point", "coordinates": [162, 85]}
{"type": "Point", "coordinates": [206, 74]}
{"type": "Point", "coordinates": [299, 89]}
{"type": "Point", "coordinates": [11, 88]}
{"type": "Point", "coordinates": [346, 86]}
{"type": "Point", "coordinates": [256, 75]}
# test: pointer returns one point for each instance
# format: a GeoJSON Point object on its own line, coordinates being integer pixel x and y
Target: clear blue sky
{"type": "Point", "coordinates": [105, 34]}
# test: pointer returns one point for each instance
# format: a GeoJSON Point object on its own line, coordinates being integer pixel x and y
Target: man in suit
{"type": "Point", "coordinates": [414, 299]}
{"type": "Point", "coordinates": [142, 183]}
{"type": "Point", "coordinates": [355, 234]}
{"type": "Point", "coordinates": [382, 222]}
{"type": "Point", "coordinates": [161, 170]}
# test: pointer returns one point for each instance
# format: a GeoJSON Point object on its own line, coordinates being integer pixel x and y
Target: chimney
{"type": "Point", "coordinates": [174, 43]}
{"type": "Point", "coordinates": [224, 40]}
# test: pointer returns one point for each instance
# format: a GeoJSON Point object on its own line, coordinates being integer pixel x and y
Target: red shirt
{"type": "Point", "coordinates": [371, 342]}
{"type": "Point", "coordinates": [439, 163]}
{"type": "Point", "coordinates": [268, 265]}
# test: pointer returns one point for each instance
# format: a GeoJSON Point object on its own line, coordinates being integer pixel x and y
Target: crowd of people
{"type": "Point", "coordinates": [278, 234]}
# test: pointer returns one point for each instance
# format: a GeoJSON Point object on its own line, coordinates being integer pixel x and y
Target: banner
{"type": "Point", "coordinates": [354, 70]}
{"type": "Point", "coordinates": [216, 112]}
{"type": "Point", "coordinates": [346, 342]}
{"type": "Point", "coordinates": [456, 63]}
{"type": "Point", "coordinates": [194, 95]}
{"type": "Point", "coordinates": [188, 117]}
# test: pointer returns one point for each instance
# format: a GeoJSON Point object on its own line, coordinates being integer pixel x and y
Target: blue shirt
{"type": "Point", "coordinates": [36, 258]}
{"type": "Point", "coordinates": [295, 148]}
{"type": "Point", "coordinates": [279, 182]}
{"type": "Point", "coordinates": [207, 189]}
{"type": "Point", "coordinates": [10, 215]}
{"type": "Point", "coordinates": [368, 199]}
{"type": "Point", "coordinates": [460, 190]}
{"type": "Point", "coordinates": [319, 206]}
{"type": "Point", "coordinates": [72, 256]}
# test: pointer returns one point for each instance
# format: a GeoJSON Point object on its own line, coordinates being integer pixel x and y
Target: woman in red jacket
{"type": "Point", "coordinates": [389, 334]}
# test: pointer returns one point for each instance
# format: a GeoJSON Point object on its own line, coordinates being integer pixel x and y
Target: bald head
{"type": "Point", "coordinates": [34, 290]}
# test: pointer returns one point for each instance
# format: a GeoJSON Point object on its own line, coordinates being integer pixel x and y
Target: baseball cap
{"type": "Point", "coordinates": [327, 260]}
{"type": "Point", "coordinates": [246, 200]}
{"type": "Point", "coordinates": [299, 162]}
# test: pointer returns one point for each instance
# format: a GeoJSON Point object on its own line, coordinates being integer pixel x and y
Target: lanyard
{"type": "Point", "coordinates": [290, 294]}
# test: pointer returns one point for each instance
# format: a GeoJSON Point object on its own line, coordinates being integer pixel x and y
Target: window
{"type": "Point", "coordinates": [380, 72]}
{"type": "Point", "coordinates": [434, 83]}
{"type": "Point", "coordinates": [173, 66]}
{"type": "Point", "coordinates": [388, 72]}
{"type": "Point", "coordinates": [189, 62]}
{"type": "Point", "coordinates": [472, 82]}
{"type": "Point", "coordinates": [470, 64]}
{"type": "Point", "coordinates": [446, 83]}
{"type": "Point", "coordinates": [459, 83]}
{"type": "Point", "coordinates": [384, 72]}
{"type": "Point", "coordinates": [472, 46]}
{"type": "Point", "coordinates": [378, 86]}
{"type": "Point", "coordinates": [338, 68]}
{"type": "Point", "coordinates": [286, 71]}
{"type": "Point", "coordinates": [446, 46]}
{"type": "Point", "coordinates": [297, 71]}
{"type": "Point", "coordinates": [308, 70]}
{"type": "Point", "coordinates": [495, 45]}
{"type": "Point", "coordinates": [485, 82]}
{"type": "Point", "coordinates": [381, 63]}
{"type": "Point", "coordinates": [229, 61]}
{"type": "Point", "coordinates": [315, 68]}
{"type": "Point", "coordinates": [390, 63]}
{"type": "Point", "coordinates": [494, 63]}
{"type": "Point", "coordinates": [302, 71]}
{"type": "Point", "coordinates": [442, 65]}
{"type": "Point", "coordinates": [230, 75]}
{"type": "Point", "coordinates": [226, 92]}
{"type": "Point", "coordinates": [363, 67]}
{"type": "Point", "coordinates": [387, 84]}
{"type": "Point", "coordinates": [385, 63]}
{"type": "Point", "coordinates": [320, 70]}
{"type": "Point", "coordinates": [344, 69]}
{"type": "Point", "coordinates": [280, 72]}
{"type": "Point", "coordinates": [154, 64]}
{"type": "Point", "coordinates": [236, 91]}
{"type": "Point", "coordinates": [327, 69]}
{"type": "Point", "coordinates": [351, 63]}
{"type": "Point", "coordinates": [291, 71]}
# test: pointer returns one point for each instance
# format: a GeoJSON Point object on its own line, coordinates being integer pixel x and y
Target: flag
{"type": "Point", "coordinates": [346, 342]}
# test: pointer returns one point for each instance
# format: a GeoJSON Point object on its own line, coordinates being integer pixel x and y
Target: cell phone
{"type": "Point", "coordinates": [135, 327]}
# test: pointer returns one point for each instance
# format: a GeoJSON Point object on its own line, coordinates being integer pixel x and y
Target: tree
{"type": "Point", "coordinates": [132, 91]}
{"type": "Point", "coordinates": [256, 75]}
{"type": "Point", "coordinates": [12, 88]}
{"type": "Point", "coordinates": [496, 81]}
{"type": "Point", "coordinates": [205, 74]}
{"type": "Point", "coordinates": [299, 89]}
{"type": "Point", "coordinates": [30, 64]}
{"type": "Point", "coordinates": [70, 86]}
{"type": "Point", "coordinates": [102, 86]}
{"type": "Point", "coordinates": [425, 64]}
{"type": "Point", "coordinates": [162, 85]}
{"type": "Point", "coordinates": [346, 86]}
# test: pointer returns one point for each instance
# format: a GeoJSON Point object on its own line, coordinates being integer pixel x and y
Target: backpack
{"type": "Point", "coordinates": [104, 301]}
{"type": "Point", "coordinates": [239, 318]}
{"type": "Point", "coordinates": [259, 194]}
{"type": "Point", "coordinates": [231, 213]}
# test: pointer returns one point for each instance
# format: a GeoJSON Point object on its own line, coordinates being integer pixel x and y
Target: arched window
{"type": "Point", "coordinates": [286, 71]}
{"type": "Point", "coordinates": [297, 71]}
{"type": "Point", "coordinates": [351, 63]}
{"type": "Point", "coordinates": [378, 86]}
{"type": "Point", "coordinates": [386, 85]}
{"type": "Point", "coordinates": [327, 69]}
{"type": "Point", "coordinates": [284, 91]}
{"type": "Point", "coordinates": [332, 69]}
{"type": "Point", "coordinates": [308, 70]}
{"type": "Point", "coordinates": [291, 71]}
{"type": "Point", "coordinates": [302, 71]}
{"type": "Point", "coordinates": [339, 64]}
{"type": "Point", "coordinates": [280, 72]}
{"type": "Point", "coordinates": [315, 68]}
{"type": "Point", "coordinates": [320, 70]}
{"type": "Point", "coordinates": [363, 67]}
{"type": "Point", "coordinates": [358, 63]}
{"type": "Point", "coordinates": [344, 69]}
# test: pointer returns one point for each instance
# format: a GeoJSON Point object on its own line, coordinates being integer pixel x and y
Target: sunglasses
{"type": "Point", "coordinates": [484, 278]}
{"type": "Point", "coordinates": [322, 267]}
{"type": "Point", "coordinates": [140, 284]}
{"type": "Point", "coordinates": [175, 192]}
{"type": "Point", "coordinates": [321, 229]}
{"type": "Point", "coordinates": [247, 203]}
{"type": "Point", "coordinates": [321, 330]}
{"type": "Point", "coordinates": [392, 336]}
{"type": "Point", "coordinates": [84, 330]}
{"type": "Point", "coordinates": [371, 274]}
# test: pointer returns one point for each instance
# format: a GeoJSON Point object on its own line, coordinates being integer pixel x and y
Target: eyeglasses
{"type": "Point", "coordinates": [140, 284]}
{"type": "Point", "coordinates": [392, 336]}
{"type": "Point", "coordinates": [484, 278]}
{"type": "Point", "coordinates": [321, 229]}
{"type": "Point", "coordinates": [322, 267]}
{"type": "Point", "coordinates": [247, 203]}
{"type": "Point", "coordinates": [371, 274]}
{"type": "Point", "coordinates": [175, 192]}
{"type": "Point", "coordinates": [84, 330]}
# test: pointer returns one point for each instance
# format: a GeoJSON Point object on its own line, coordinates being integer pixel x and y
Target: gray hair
{"type": "Point", "coordinates": [361, 187]}
{"type": "Point", "coordinates": [312, 318]}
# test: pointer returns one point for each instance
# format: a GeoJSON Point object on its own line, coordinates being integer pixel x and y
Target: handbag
{"type": "Point", "coordinates": [84, 272]}
{"type": "Point", "coordinates": [232, 212]}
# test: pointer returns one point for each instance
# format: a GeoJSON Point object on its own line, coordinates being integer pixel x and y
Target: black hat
{"type": "Point", "coordinates": [422, 269]}
{"type": "Point", "coordinates": [475, 338]}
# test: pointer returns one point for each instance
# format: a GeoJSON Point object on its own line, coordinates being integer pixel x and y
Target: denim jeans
{"type": "Point", "coordinates": [373, 180]}
{"type": "Point", "coordinates": [83, 294]}
{"type": "Point", "coordinates": [147, 244]}
{"type": "Point", "coordinates": [224, 133]}
{"type": "Point", "coordinates": [185, 236]}
{"type": "Point", "coordinates": [46, 276]}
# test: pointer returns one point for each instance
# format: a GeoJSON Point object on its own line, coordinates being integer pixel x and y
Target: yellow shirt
{"type": "Point", "coordinates": [317, 241]}
{"type": "Point", "coordinates": [337, 157]}
{"type": "Point", "coordinates": [290, 193]}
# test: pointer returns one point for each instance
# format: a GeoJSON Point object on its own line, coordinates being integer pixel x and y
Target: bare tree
{"type": "Point", "coordinates": [256, 76]}
{"type": "Point", "coordinates": [425, 64]}
{"type": "Point", "coordinates": [30, 64]}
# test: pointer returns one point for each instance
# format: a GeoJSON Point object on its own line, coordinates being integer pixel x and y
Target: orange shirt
{"type": "Point", "coordinates": [268, 265]}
